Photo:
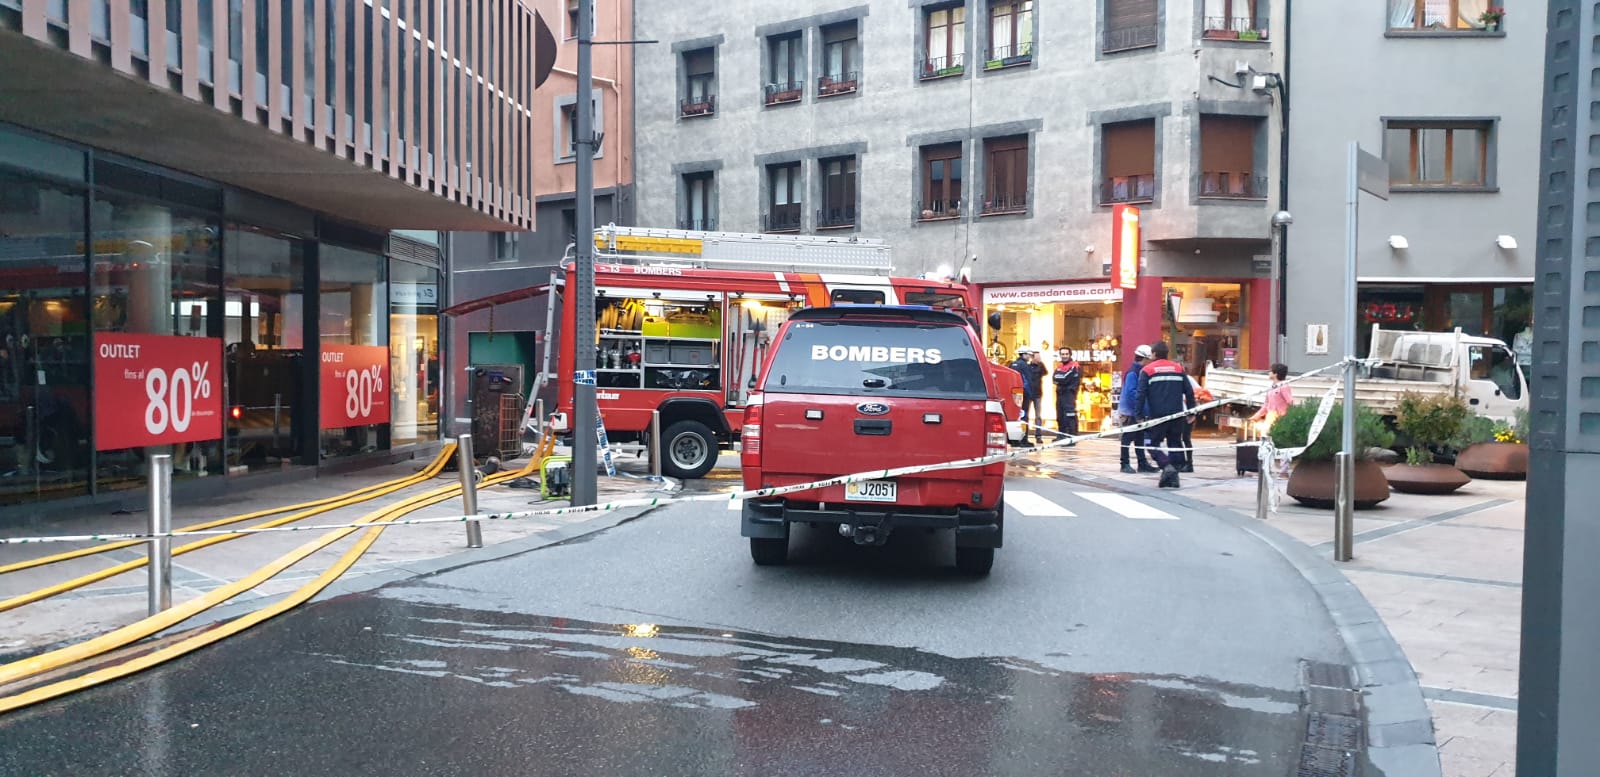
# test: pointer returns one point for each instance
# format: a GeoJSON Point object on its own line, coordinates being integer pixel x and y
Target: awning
{"type": "Point", "coordinates": [496, 300]}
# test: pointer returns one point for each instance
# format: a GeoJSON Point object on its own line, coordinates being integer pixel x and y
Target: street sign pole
{"type": "Point", "coordinates": [1370, 174]}
{"type": "Point", "coordinates": [1558, 696]}
{"type": "Point", "coordinates": [584, 411]}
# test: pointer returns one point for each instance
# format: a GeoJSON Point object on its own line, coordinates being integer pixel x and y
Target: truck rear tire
{"type": "Point", "coordinates": [689, 450]}
{"type": "Point", "coordinates": [974, 561]}
{"type": "Point", "coordinates": [769, 551]}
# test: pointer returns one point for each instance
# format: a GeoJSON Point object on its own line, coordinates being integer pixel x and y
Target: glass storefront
{"type": "Point", "coordinates": [1091, 329]}
{"type": "Point", "coordinates": [414, 351]}
{"type": "Point", "coordinates": [156, 272]}
{"type": "Point", "coordinates": [44, 341]}
{"type": "Point", "coordinates": [1504, 312]}
{"type": "Point", "coordinates": [264, 349]}
{"type": "Point", "coordinates": [353, 295]}
{"type": "Point", "coordinates": [1207, 323]}
{"type": "Point", "coordinates": [147, 253]}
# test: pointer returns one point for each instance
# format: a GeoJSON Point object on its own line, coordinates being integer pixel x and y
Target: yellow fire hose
{"type": "Point", "coordinates": [372, 490]}
{"type": "Point", "coordinates": [355, 497]}
{"type": "Point", "coordinates": [56, 659]}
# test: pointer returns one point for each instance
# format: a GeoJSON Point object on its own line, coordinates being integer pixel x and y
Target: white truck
{"type": "Point", "coordinates": [1480, 370]}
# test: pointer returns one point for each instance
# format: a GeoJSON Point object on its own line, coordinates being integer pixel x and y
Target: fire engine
{"type": "Point", "coordinates": [683, 321]}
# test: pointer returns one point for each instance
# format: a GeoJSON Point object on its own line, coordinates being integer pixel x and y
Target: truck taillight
{"type": "Point", "coordinates": [996, 443]}
{"type": "Point", "coordinates": [750, 434]}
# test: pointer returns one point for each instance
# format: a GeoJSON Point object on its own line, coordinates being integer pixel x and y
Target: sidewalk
{"type": "Point", "coordinates": [121, 599]}
{"type": "Point", "coordinates": [1444, 573]}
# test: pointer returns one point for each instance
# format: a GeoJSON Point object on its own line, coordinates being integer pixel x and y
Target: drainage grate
{"type": "Point", "coordinates": [1332, 731]}
{"type": "Point", "coordinates": [1322, 762]}
{"type": "Point", "coordinates": [1326, 675]}
{"type": "Point", "coordinates": [1331, 700]}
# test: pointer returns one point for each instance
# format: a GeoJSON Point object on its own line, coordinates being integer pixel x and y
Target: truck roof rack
{"type": "Point", "coordinates": [741, 250]}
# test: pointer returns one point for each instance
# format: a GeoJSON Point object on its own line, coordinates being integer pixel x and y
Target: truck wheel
{"type": "Point", "coordinates": [690, 450]}
{"type": "Point", "coordinates": [974, 561]}
{"type": "Point", "coordinates": [769, 552]}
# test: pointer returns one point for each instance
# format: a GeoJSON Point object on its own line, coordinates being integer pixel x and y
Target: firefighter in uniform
{"type": "Point", "coordinates": [1164, 390]}
{"type": "Point", "coordinates": [1067, 378]}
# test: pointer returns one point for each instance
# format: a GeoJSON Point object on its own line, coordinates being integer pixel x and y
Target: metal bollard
{"type": "Point", "coordinates": [469, 489]}
{"type": "Point", "coordinates": [160, 561]}
{"type": "Point", "coordinates": [538, 418]}
{"type": "Point", "coordinates": [1344, 506]}
{"type": "Point", "coordinates": [655, 443]}
{"type": "Point", "coordinates": [1263, 492]}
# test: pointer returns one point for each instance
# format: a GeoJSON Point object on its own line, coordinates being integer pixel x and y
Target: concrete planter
{"type": "Point", "coordinates": [1313, 484]}
{"type": "Point", "coordinates": [1425, 478]}
{"type": "Point", "coordinates": [1494, 460]}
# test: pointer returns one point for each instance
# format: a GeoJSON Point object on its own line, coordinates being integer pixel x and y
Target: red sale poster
{"type": "Point", "coordinates": [355, 385]}
{"type": "Point", "coordinates": [156, 390]}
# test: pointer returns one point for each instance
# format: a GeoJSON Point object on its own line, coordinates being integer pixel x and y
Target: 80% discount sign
{"type": "Point", "coordinates": [355, 385]}
{"type": "Point", "coordinates": [155, 390]}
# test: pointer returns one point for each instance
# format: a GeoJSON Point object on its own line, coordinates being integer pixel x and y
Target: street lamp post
{"type": "Point", "coordinates": [584, 409]}
{"type": "Point", "coordinates": [1278, 347]}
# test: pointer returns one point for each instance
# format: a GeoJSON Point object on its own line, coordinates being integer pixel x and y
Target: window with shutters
{"type": "Point", "coordinates": [946, 41]}
{"type": "Point", "coordinates": [1005, 178]}
{"type": "Point", "coordinates": [1010, 33]}
{"type": "Point", "coordinates": [1128, 157]}
{"type": "Point", "coordinates": [699, 201]}
{"type": "Point", "coordinates": [941, 182]}
{"type": "Point", "coordinates": [1234, 20]}
{"type": "Point", "coordinates": [783, 198]}
{"type": "Point", "coordinates": [1438, 154]}
{"type": "Point", "coordinates": [1129, 24]}
{"type": "Point", "coordinates": [838, 193]}
{"type": "Point", "coordinates": [785, 63]}
{"type": "Point", "coordinates": [841, 60]}
{"type": "Point", "coordinates": [1228, 157]}
{"type": "Point", "coordinates": [699, 83]}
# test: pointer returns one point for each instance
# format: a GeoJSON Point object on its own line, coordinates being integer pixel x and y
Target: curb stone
{"type": "Point", "coordinates": [1400, 736]}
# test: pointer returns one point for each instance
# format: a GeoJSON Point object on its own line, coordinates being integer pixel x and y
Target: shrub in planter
{"type": "Point", "coordinates": [1431, 422]}
{"type": "Point", "coordinates": [1494, 450]}
{"type": "Point", "coordinates": [1313, 481]}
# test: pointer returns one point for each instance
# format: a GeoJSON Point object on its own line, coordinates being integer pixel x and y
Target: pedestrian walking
{"type": "Point", "coordinates": [1068, 378]}
{"type": "Point", "coordinates": [1164, 390]}
{"type": "Point", "coordinates": [1276, 403]}
{"type": "Point", "coordinates": [1128, 413]}
{"type": "Point", "coordinates": [1027, 365]}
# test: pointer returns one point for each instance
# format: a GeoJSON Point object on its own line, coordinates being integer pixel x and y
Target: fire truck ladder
{"type": "Point", "coordinates": [741, 250]}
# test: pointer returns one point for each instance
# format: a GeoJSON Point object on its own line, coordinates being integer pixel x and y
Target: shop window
{"type": "Point", "coordinates": [157, 272]}
{"type": "Point", "coordinates": [1129, 157]}
{"type": "Point", "coordinates": [269, 413]}
{"type": "Point", "coordinates": [660, 342]}
{"type": "Point", "coordinates": [44, 342]}
{"type": "Point", "coordinates": [414, 351]}
{"type": "Point", "coordinates": [353, 294]}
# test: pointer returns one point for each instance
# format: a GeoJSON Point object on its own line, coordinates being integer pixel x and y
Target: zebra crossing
{"type": "Point", "coordinates": [1035, 505]}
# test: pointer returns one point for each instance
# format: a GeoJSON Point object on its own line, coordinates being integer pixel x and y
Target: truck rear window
{"type": "Point", "coordinates": [877, 357]}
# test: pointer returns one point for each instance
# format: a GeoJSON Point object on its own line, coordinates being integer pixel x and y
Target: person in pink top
{"type": "Point", "coordinates": [1278, 398]}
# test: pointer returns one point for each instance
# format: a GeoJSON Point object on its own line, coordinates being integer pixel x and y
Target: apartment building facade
{"type": "Point", "coordinates": [216, 184]}
{"type": "Point", "coordinates": [485, 263]}
{"type": "Point", "coordinates": [1448, 93]}
{"type": "Point", "coordinates": [990, 137]}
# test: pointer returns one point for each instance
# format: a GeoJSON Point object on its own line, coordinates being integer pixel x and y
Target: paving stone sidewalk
{"type": "Point", "coordinates": [1444, 573]}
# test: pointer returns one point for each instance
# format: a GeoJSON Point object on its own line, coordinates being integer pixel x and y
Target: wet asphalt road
{"type": "Point", "coordinates": [1100, 645]}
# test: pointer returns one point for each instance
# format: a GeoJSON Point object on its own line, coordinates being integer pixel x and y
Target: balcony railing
{"type": "Point", "coordinates": [783, 92]}
{"type": "Point", "coordinates": [939, 210]}
{"type": "Point", "coordinates": [697, 106]}
{"type": "Point", "coordinates": [843, 216]}
{"type": "Point", "coordinates": [1129, 188]}
{"type": "Point", "coordinates": [1233, 185]}
{"type": "Point", "coordinates": [1129, 38]}
{"type": "Point", "coordinates": [1233, 28]}
{"type": "Point", "coordinates": [783, 218]}
{"type": "Point", "coordinates": [1016, 202]}
{"type": "Point", "coordinates": [1008, 56]}
{"type": "Point", "coordinates": [839, 83]}
{"type": "Point", "coordinates": [702, 224]}
{"type": "Point", "coordinates": [942, 67]}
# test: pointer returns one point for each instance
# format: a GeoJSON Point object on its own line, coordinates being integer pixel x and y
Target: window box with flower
{"type": "Point", "coordinates": [1492, 18]}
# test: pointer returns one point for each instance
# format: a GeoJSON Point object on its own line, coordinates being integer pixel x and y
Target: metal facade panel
{"type": "Point", "coordinates": [121, 34]}
{"type": "Point", "coordinates": [189, 41]}
{"type": "Point", "coordinates": [297, 87]}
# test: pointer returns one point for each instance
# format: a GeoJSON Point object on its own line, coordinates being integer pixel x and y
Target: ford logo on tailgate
{"type": "Point", "coordinates": [872, 408]}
